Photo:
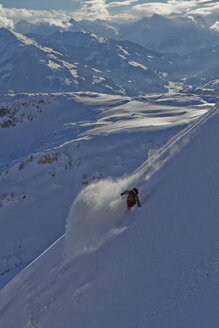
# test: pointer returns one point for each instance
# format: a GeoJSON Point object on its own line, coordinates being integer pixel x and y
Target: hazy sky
{"type": "Point", "coordinates": [58, 10]}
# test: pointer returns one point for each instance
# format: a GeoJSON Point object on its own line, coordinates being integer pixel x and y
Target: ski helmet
{"type": "Point", "coordinates": [135, 190]}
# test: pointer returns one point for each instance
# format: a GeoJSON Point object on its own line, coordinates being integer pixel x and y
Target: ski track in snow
{"type": "Point", "coordinates": [159, 158]}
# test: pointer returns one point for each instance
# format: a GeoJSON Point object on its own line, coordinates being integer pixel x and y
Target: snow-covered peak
{"type": "Point", "coordinates": [16, 38]}
{"type": "Point", "coordinates": [156, 20]}
{"type": "Point", "coordinates": [24, 27]}
{"type": "Point", "coordinates": [77, 26]}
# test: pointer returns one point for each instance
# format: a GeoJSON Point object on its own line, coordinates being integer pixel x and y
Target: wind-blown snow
{"type": "Point", "coordinates": [89, 221]}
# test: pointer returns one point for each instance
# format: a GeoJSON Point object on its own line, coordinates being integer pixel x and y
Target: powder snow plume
{"type": "Point", "coordinates": [93, 216]}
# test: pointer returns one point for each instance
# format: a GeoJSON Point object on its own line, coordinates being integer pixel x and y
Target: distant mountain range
{"type": "Point", "coordinates": [99, 56]}
{"type": "Point", "coordinates": [179, 35]}
{"type": "Point", "coordinates": [72, 61]}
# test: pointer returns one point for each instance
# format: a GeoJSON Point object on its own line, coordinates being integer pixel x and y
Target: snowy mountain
{"type": "Point", "coordinates": [67, 61]}
{"type": "Point", "coordinates": [125, 63]}
{"type": "Point", "coordinates": [64, 142]}
{"type": "Point", "coordinates": [24, 27]}
{"type": "Point", "coordinates": [43, 28]}
{"type": "Point", "coordinates": [179, 35]}
{"type": "Point", "coordinates": [101, 63]}
{"type": "Point", "coordinates": [75, 26]}
{"type": "Point", "coordinates": [27, 66]}
{"type": "Point", "coordinates": [102, 28]}
{"type": "Point", "coordinates": [159, 261]}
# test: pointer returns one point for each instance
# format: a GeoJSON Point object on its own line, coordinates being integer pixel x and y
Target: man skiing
{"type": "Point", "coordinates": [132, 198]}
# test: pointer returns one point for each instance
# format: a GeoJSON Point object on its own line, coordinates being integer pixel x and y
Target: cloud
{"type": "Point", "coordinates": [99, 9]}
{"type": "Point", "coordinates": [119, 18]}
{"type": "Point", "coordinates": [207, 1]}
{"type": "Point", "coordinates": [4, 21]}
{"type": "Point", "coordinates": [207, 9]}
{"type": "Point", "coordinates": [93, 9]}
{"type": "Point", "coordinates": [164, 9]}
{"type": "Point", "coordinates": [120, 4]}
{"type": "Point", "coordinates": [116, 11]}
{"type": "Point", "coordinates": [177, 7]}
{"type": "Point", "coordinates": [8, 16]}
{"type": "Point", "coordinates": [8, 23]}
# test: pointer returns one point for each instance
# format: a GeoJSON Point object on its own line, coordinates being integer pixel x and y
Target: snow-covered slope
{"type": "Point", "coordinates": [161, 267]}
{"type": "Point", "coordinates": [64, 142]}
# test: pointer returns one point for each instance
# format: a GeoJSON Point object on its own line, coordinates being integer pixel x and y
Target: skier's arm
{"type": "Point", "coordinates": [124, 192]}
{"type": "Point", "coordinates": [138, 201]}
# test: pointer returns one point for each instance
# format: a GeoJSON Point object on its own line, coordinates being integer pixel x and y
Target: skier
{"type": "Point", "coordinates": [132, 198]}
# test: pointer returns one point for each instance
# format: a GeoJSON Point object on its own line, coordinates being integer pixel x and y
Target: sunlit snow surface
{"type": "Point", "coordinates": [152, 274]}
{"type": "Point", "coordinates": [146, 113]}
{"type": "Point", "coordinates": [59, 143]}
{"type": "Point", "coordinates": [100, 140]}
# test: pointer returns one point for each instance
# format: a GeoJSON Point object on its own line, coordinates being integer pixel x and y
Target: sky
{"type": "Point", "coordinates": [55, 11]}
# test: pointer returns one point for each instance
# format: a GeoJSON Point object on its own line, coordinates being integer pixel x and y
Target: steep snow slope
{"type": "Point", "coordinates": [65, 141]}
{"type": "Point", "coordinates": [162, 271]}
